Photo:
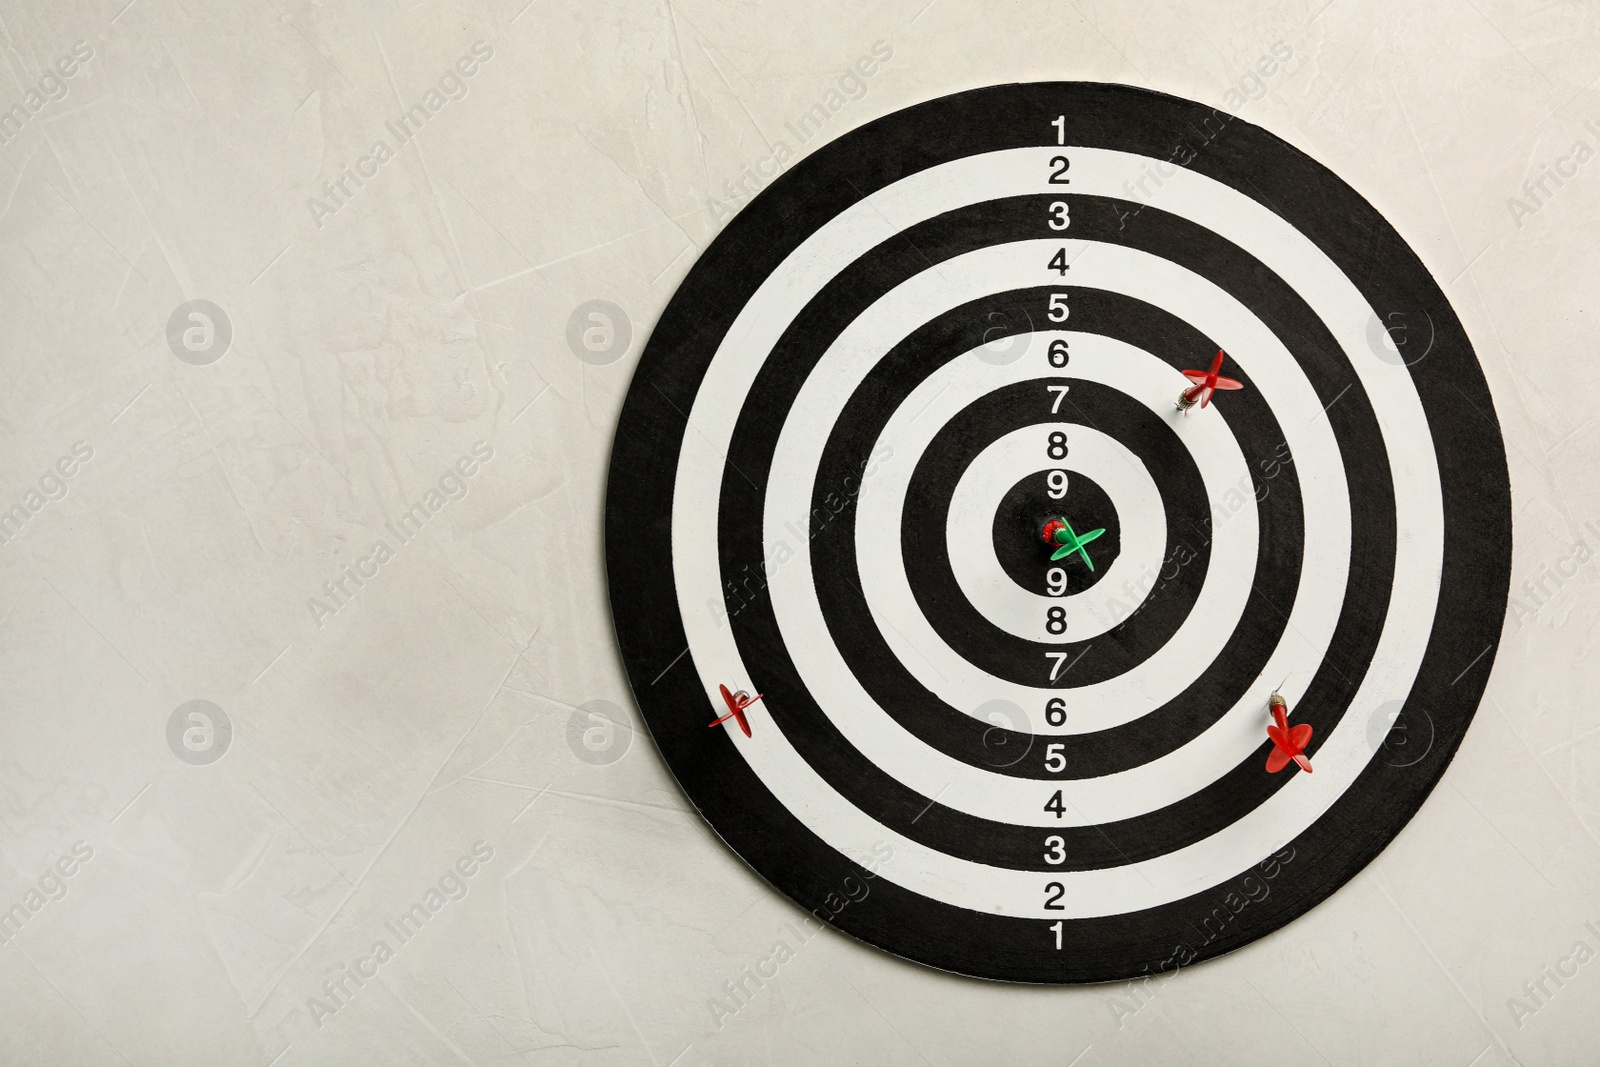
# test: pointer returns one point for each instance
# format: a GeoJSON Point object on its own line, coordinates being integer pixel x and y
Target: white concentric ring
{"type": "Point", "coordinates": [939, 398]}
{"type": "Point", "coordinates": [1223, 596]}
{"type": "Point", "coordinates": [1412, 465]}
{"type": "Point", "coordinates": [969, 532]}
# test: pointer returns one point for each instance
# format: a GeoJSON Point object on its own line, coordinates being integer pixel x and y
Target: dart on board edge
{"type": "Point", "coordinates": [736, 702]}
{"type": "Point", "coordinates": [1289, 743]}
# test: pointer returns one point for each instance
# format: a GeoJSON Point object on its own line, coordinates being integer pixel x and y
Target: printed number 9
{"type": "Point", "coordinates": [1056, 484]}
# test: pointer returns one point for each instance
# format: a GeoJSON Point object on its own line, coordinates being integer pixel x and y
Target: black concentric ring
{"type": "Point", "coordinates": [1151, 621]}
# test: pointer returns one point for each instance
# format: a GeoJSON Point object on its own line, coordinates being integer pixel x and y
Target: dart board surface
{"type": "Point", "coordinates": [955, 325]}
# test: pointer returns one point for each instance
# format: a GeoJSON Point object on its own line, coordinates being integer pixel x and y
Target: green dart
{"type": "Point", "coordinates": [1059, 531]}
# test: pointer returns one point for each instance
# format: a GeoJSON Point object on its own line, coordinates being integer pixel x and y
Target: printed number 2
{"type": "Point", "coordinates": [1056, 891]}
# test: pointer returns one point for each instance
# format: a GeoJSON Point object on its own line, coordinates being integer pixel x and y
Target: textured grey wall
{"type": "Point", "coordinates": [274, 273]}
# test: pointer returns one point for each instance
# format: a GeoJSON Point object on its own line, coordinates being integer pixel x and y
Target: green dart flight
{"type": "Point", "coordinates": [1064, 535]}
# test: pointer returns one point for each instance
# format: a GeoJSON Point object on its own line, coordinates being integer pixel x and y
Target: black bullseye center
{"type": "Point", "coordinates": [1019, 522]}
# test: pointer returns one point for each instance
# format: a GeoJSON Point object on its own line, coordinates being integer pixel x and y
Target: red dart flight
{"type": "Point", "coordinates": [1289, 743]}
{"type": "Point", "coordinates": [737, 702]}
{"type": "Point", "coordinates": [1206, 383]}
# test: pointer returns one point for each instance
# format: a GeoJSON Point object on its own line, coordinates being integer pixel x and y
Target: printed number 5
{"type": "Point", "coordinates": [1058, 307]}
{"type": "Point", "coordinates": [1055, 758]}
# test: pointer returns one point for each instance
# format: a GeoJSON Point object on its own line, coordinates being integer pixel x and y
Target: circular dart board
{"type": "Point", "coordinates": [912, 456]}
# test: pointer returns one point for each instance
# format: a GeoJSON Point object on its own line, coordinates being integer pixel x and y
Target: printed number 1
{"type": "Point", "coordinates": [1056, 927]}
{"type": "Point", "coordinates": [1060, 124]}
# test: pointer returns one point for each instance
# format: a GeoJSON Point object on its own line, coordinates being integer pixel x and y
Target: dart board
{"type": "Point", "coordinates": [958, 324]}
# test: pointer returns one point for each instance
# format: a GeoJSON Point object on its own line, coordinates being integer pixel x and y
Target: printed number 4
{"type": "Point", "coordinates": [1054, 804]}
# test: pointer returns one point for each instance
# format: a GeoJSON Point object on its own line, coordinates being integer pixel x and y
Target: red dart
{"type": "Point", "coordinates": [737, 702]}
{"type": "Point", "coordinates": [1288, 742]}
{"type": "Point", "coordinates": [1205, 384]}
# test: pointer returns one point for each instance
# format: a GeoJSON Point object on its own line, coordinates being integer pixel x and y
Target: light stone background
{"type": "Point", "coordinates": [376, 339]}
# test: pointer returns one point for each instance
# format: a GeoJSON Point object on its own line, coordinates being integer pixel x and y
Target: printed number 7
{"type": "Point", "coordinates": [1061, 661]}
{"type": "Point", "coordinates": [1061, 394]}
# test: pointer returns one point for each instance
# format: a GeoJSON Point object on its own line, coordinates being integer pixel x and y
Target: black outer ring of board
{"type": "Point", "coordinates": [1459, 411]}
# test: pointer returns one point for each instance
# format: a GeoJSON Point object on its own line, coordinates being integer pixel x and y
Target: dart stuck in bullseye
{"type": "Point", "coordinates": [1059, 532]}
{"type": "Point", "coordinates": [1205, 384]}
{"type": "Point", "coordinates": [736, 702]}
{"type": "Point", "coordinates": [1289, 743]}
